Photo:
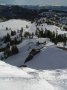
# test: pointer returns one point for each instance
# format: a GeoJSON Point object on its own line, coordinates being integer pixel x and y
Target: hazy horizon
{"type": "Point", "coordinates": [35, 2]}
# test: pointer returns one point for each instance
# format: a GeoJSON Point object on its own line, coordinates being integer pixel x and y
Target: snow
{"type": "Point", "coordinates": [46, 71]}
{"type": "Point", "coordinates": [52, 28]}
{"type": "Point", "coordinates": [60, 44]}
{"type": "Point", "coordinates": [49, 58]}
{"type": "Point", "coordinates": [13, 78]}
{"type": "Point", "coordinates": [7, 71]}
{"type": "Point", "coordinates": [13, 24]}
{"type": "Point", "coordinates": [24, 49]}
{"type": "Point", "coordinates": [25, 85]}
{"type": "Point", "coordinates": [17, 24]}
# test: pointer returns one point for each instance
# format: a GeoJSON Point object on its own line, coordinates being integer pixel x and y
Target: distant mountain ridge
{"type": "Point", "coordinates": [26, 12]}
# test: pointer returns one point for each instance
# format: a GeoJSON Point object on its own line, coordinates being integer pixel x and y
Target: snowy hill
{"type": "Point", "coordinates": [17, 24]}
{"type": "Point", "coordinates": [13, 24]}
{"type": "Point", "coordinates": [46, 71]}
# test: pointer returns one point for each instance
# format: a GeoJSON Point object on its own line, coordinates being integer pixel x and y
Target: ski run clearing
{"type": "Point", "coordinates": [46, 71]}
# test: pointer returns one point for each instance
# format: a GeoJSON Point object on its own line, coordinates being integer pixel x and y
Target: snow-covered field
{"type": "Point", "coordinates": [46, 71]}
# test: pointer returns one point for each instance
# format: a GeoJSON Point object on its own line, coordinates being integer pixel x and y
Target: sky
{"type": "Point", "coordinates": [36, 2]}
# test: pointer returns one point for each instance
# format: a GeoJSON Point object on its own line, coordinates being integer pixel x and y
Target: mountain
{"type": "Point", "coordinates": [26, 12]}
{"type": "Point", "coordinates": [17, 12]}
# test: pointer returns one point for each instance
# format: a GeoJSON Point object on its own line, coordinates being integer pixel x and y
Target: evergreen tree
{"type": "Point", "coordinates": [7, 51]}
{"type": "Point", "coordinates": [6, 28]}
{"type": "Point", "coordinates": [14, 49]}
{"type": "Point", "coordinates": [13, 33]}
{"type": "Point", "coordinates": [32, 35]}
{"type": "Point", "coordinates": [7, 38]}
{"type": "Point", "coordinates": [27, 35]}
{"type": "Point", "coordinates": [65, 39]}
{"type": "Point", "coordinates": [21, 32]}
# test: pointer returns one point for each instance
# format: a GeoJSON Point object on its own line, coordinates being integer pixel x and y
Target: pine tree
{"type": "Point", "coordinates": [21, 32]}
{"type": "Point", "coordinates": [14, 49]}
{"type": "Point", "coordinates": [7, 51]}
{"type": "Point", "coordinates": [32, 35]}
{"type": "Point", "coordinates": [15, 41]}
{"type": "Point", "coordinates": [6, 28]}
{"type": "Point", "coordinates": [13, 33]}
{"type": "Point", "coordinates": [7, 38]}
{"type": "Point", "coordinates": [27, 35]}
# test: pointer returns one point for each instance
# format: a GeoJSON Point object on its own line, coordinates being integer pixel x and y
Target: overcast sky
{"type": "Point", "coordinates": [35, 2]}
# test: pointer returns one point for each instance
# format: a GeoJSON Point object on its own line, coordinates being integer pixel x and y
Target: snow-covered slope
{"type": "Point", "coordinates": [49, 58]}
{"type": "Point", "coordinates": [17, 24]}
{"type": "Point", "coordinates": [46, 71]}
{"type": "Point", "coordinates": [7, 71]}
{"type": "Point", "coordinates": [13, 24]}
{"type": "Point", "coordinates": [52, 28]}
{"type": "Point", "coordinates": [13, 78]}
{"type": "Point", "coordinates": [24, 49]}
